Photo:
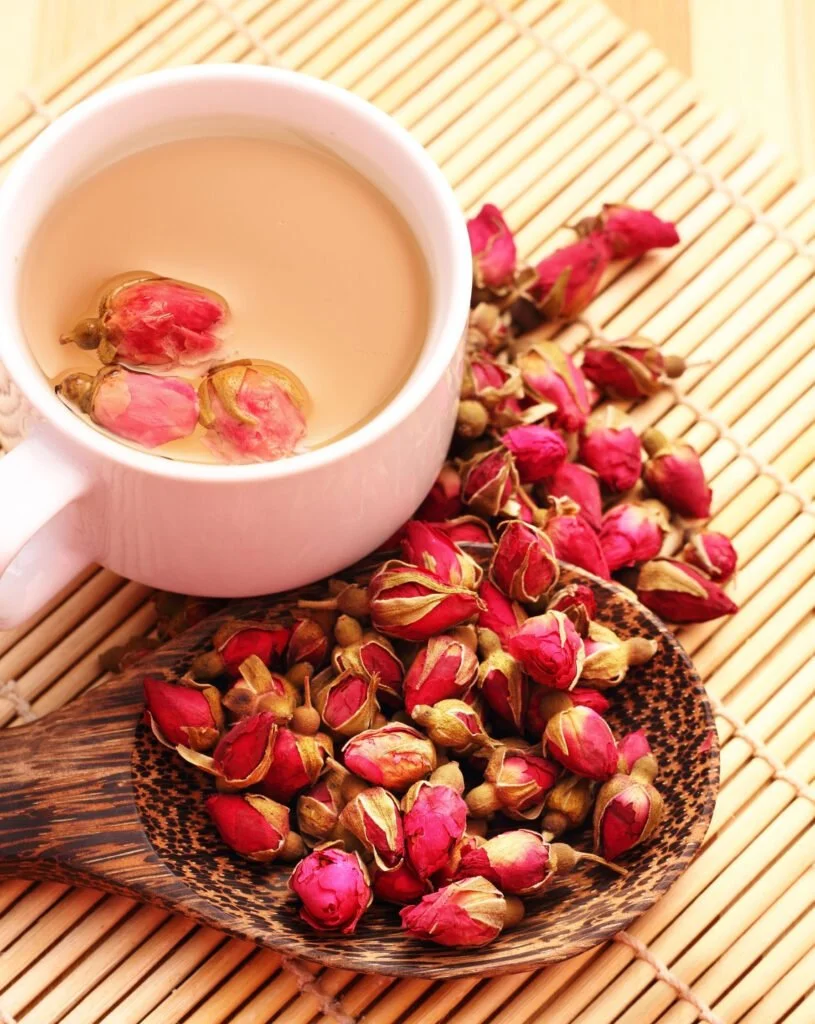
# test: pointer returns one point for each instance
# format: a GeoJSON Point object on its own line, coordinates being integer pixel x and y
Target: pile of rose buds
{"type": "Point", "coordinates": [147, 327]}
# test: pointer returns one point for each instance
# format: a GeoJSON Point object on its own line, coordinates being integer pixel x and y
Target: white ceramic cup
{"type": "Point", "coordinates": [71, 496]}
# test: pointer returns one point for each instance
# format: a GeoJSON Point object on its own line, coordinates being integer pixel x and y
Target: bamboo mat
{"type": "Point", "coordinates": [547, 109]}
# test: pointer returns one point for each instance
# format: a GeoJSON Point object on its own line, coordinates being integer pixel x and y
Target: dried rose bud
{"type": "Point", "coordinates": [242, 756]}
{"type": "Point", "coordinates": [260, 690]}
{"type": "Point", "coordinates": [573, 539]}
{"type": "Point", "coordinates": [183, 713]}
{"type": "Point", "coordinates": [334, 888]}
{"type": "Point", "coordinates": [677, 592]}
{"type": "Point", "coordinates": [488, 479]}
{"type": "Point", "coordinates": [308, 644]}
{"type": "Point", "coordinates": [582, 742]}
{"type": "Point", "coordinates": [631, 368]}
{"type": "Point", "coordinates": [493, 248]}
{"type": "Point", "coordinates": [452, 724]}
{"type": "Point", "coordinates": [498, 613]}
{"type": "Point", "coordinates": [435, 817]}
{"type": "Point", "coordinates": [296, 763]}
{"type": "Point", "coordinates": [444, 668]}
{"type": "Point", "coordinates": [611, 448]}
{"type": "Point", "coordinates": [410, 603]}
{"type": "Point", "coordinates": [176, 613]}
{"type": "Point", "coordinates": [488, 381]}
{"type": "Point", "coordinates": [539, 451]}
{"type": "Point", "coordinates": [374, 657]}
{"type": "Point", "coordinates": [713, 553]}
{"type": "Point", "coordinates": [472, 419]}
{"type": "Point", "coordinates": [633, 532]}
{"type": "Point", "coordinates": [318, 808]}
{"type": "Point", "coordinates": [443, 501]}
{"type": "Point", "coordinates": [523, 564]}
{"type": "Point", "coordinates": [549, 649]}
{"type": "Point", "coordinates": [627, 813]}
{"type": "Point", "coordinates": [516, 782]}
{"type": "Point", "coordinates": [580, 485]}
{"type": "Point", "coordinates": [543, 703]}
{"type": "Point", "coordinates": [578, 604]}
{"type": "Point", "coordinates": [467, 530]}
{"type": "Point", "coordinates": [516, 862]}
{"type": "Point", "coordinates": [147, 320]}
{"type": "Point", "coordinates": [347, 703]}
{"type": "Point", "coordinates": [253, 411]}
{"type": "Point", "coordinates": [253, 826]}
{"type": "Point", "coordinates": [568, 804]}
{"type": "Point", "coordinates": [470, 912]}
{"type": "Point", "coordinates": [487, 329]}
{"type": "Point", "coordinates": [138, 407]}
{"type": "Point", "coordinates": [401, 885]}
{"type": "Point", "coordinates": [375, 818]}
{"type": "Point", "coordinates": [394, 756]}
{"type": "Point", "coordinates": [568, 278]}
{"type": "Point", "coordinates": [608, 658]}
{"type": "Point", "coordinates": [235, 641]}
{"type": "Point", "coordinates": [674, 473]}
{"type": "Point", "coordinates": [551, 375]}
{"type": "Point", "coordinates": [629, 232]}
{"type": "Point", "coordinates": [635, 753]}
{"type": "Point", "coordinates": [501, 681]}
{"type": "Point", "coordinates": [429, 547]}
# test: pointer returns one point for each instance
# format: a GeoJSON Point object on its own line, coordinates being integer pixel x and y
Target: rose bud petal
{"type": "Point", "coordinates": [452, 724]}
{"type": "Point", "coordinates": [183, 713]}
{"type": "Point", "coordinates": [296, 763]}
{"type": "Point", "coordinates": [235, 641]}
{"type": "Point", "coordinates": [401, 885]}
{"type": "Point", "coordinates": [713, 554]}
{"type": "Point", "coordinates": [674, 473]}
{"type": "Point", "coordinates": [580, 485]}
{"type": "Point", "coordinates": [138, 407]}
{"type": "Point", "coordinates": [498, 613]}
{"type": "Point", "coordinates": [611, 448]}
{"type": "Point", "coordinates": [549, 649]}
{"type": "Point", "coordinates": [489, 381]}
{"type": "Point", "coordinates": [516, 782]}
{"type": "Point", "coordinates": [633, 532]}
{"type": "Point", "coordinates": [608, 658]}
{"type": "Point", "coordinates": [375, 818]}
{"type": "Point", "coordinates": [334, 888]}
{"type": "Point", "coordinates": [632, 748]}
{"type": "Point", "coordinates": [578, 604]}
{"type": "Point", "coordinates": [308, 644]}
{"type": "Point", "coordinates": [443, 501]}
{"type": "Point", "coordinates": [347, 703]}
{"type": "Point", "coordinates": [253, 411]}
{"type": "Point", "coordinates": [501, 681]}
{"type": "Point", "coordinates": [410, 603]}
{"type": "Point", "coordinates": [470, 912]}
{"type": "Point", "coordinates": [375, 657]}
{"type": "Point", "coordinates": [488, 479]}
{"type": "Point", "coordinates": [429, 547]}
{"type": "Point", "coordinates": [677, 592]}
{"type": "Point", "coordinates": [573, 539]}
{"type": "Point", "coordinates": [444, 668]}
{"type": "Point", "coordinates": [394, 756]}
{"type": "Point", "coordinates": [516, 862]}
{"type": "Point", "coordinates": [242, 756]}
{"type": "Point", "coordinates": [551, 375]}
{"type": "Point", "coordinates": [318, 807]}
{"type": "Point", "coordinates": [487, 328]}
{"type": "Point", "coordinates": [629, 232]}
{"type": "Point", "coordinates": [626, 813]}
{"type": "Point", "coordinates": [582, 742]}
{"type": "Point", "coordinates": [539, 451]}
{"type": "Point", "coordinates": [261, 690]}
{"type": "Point", "coordinates": [493, 248]}
{"type": "Point", "coordinates": [467, 530]}
{"type": "Point", "coordinates": [568, 279]}
{"type": "Point", "coordinates": [435, 817]}
{"type": "Point", "coordinates": [543, 703]}
{"type": "Point", "coordinates": [148, 320]}
{"type": "Point", "coordinates": [568, 804]}
{"type": "Point", "coordinates": [630, 368]}
{"type": "Point", "coordinates": [523, 564]}
{"type": "Point", "coordinates": [253, 826]}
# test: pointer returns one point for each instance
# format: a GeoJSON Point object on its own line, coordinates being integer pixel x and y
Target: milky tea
{"type": "Point", "coordinates": [322, 274]}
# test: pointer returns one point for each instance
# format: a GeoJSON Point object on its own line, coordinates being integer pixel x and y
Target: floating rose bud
{"type": "Point", "coordinates": [308, 644]}
{"type": "Point", "coordinates": [568, 278]}
{"type": "Point", "coordinates": [444, 668]}
{"type": "Point", "coordinates": [498, 613]}
{"type": "Point", "coordinates": [254, 826]}
{"type": "Point", "coordinates": [488, 480]}
{"type": "Point", "coordinates": [493, 249]}
{"type": "Point", "coordinates": [501, 681]}
{"type": "Point", "coordinates": [183, 713]}
{"type": "Point", "coordinates": [573, 539]}
{"type": "Point", "coordinates": [260, 690]}
{"type": "Point", "coordinates": [347, 703]}
{"type": "Point", "coordinates": [242, 756]}
{"type": "Point", "coordinates": [539, 451]}
{"type": "Point", "coordinates": [235, 641]}
{"type": "Point", "coordinates": [631, 368]}
{"type": "Point", "coordinates": [394, 756]}
{"type": "Point", "coordinates": [516, 782]}
{"type": "Point", "coordinates": [580, 485]}
{"type": "Point", "coordinates": [523, 564]}
{"type": "Point", "coordinates": [627, 813]}
{"type": "Point", "coordinates": [608, 658]}
{"type": "Point", "coordinates": [253, 411]}
{"type": "Point", "coordinates": [549, 649]}
{"type": "Point", "coordinates": [611, 448]}
{"type": "Point", "coordinates": [674, 473]}
{"type": "Point", "coordinates": [679, 593]}
{"type": "Point", "coordinates": [578, 604]}
{"type": "Point", "coordinates": [374, 657]}
{"type": "Point", "coordinates": [410, 603]}
{"type": "Point", "coordinates": [487, 329]}
{"type": "Point", "coordinates": [516, 862]}
{"type": "Point", "coordinates": [467, 530]}
{"type": "Point", "coordinates": [444, 498]}
{"type": "Point", "coordinates": [713, 554]}
{"type": "Point", "coordinates": [568, 804]}
{"type": "Point", "coordinates": [582, 742]}
{"type": "Point", "coordinates": [629, 232]}
{"type": "Point", "coordinates": [318, 808]}
{"type": "Point", "coordinates": [138, 407]}
{"type": "Point", "coordinates": [375, 818]}
{"type": "Point", "coordinates": [551, 375]}
{"type": "Point", "coordinates": [334, 888]}
{"type": "Point", "coordinates": [470, 912]}
{"type": "Point", "coordinates": [401, 885]}
{"type": "Point", "coordinates": [452, 724]}
{"type": "Point", "coordinates": [296, 763]}
{"type": "Point", "coordinates": [435, 817]}
{"type": "Point", "coordinates": [429, 547]}
{"type": "Point", "coordinates": [633, 532]}
{"type": "Point", "coordinates": [147, 320]}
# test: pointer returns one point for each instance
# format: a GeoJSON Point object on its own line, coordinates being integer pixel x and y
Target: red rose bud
{"type": "Point", "coordinates": [516, 862]}
{"type": "Point", "coordinates": [713, 554]}
{"type": "Point", "coordinates": [410, 603]}
{"type": "Point", "coordinates": [183, 713]}
{"type": "Point", "coordinates": [544, 703]}
{"type": "Point", "coordinates": [578, 604]}
{"type": "Point", "coordinates": [579, 485]}
{"type": "Point", "coordinates": [235, 641]}
{"type": "Point", "coordinates": [318, 808]}
{"type": "Point", "coordinates": [523, 564]}
{"type": "Point", "coordinates": [608, 658]}
{"type": "Point", "coordinates": [549, 649]}
{"type": "Point", "coordinates": [568, 804]}
{"type": "Point", "coordinates": [374, 817]}
{"type": "Point", "coordinates": [401, 885]}
{"type": "Point", "coordinates": [394, 756]}
{"type": "Point", "coordinates": [611, 448]}
{"type": "Point", "coordinates": [551, 375]}
{"type": "Point", "coordinates": [488, 328]}
{"type": "Point", "coordinates": [429, 547]}
{"type": "Point", "coordinates": [516, 782]}
{"type": "Point", "coordinates": [347, 704]}
{"type": "Point", "coordinates": [627, 813]}
{"type": "Point", "coordinates": [296, 763]}
{"type": "Point", "coordinates": [582, 742]}
{"type": "Point", "coordinates": [444, 668]}
{"type": "Point", "coordinates": [489, 382]}
{"type": "Point", "coordinates": [539, 451]}
{"type": "Point", "coordinates": [148, 320]}
{"type": "Point", "coordinates": [242, 757]}
{"type": "Point", "coordinates": [308, 644]}
{"type": "Point", "coordinates": [568, 278]}
{"type": "Point", "coordinates": [574, 540]}
{"type": "Point", "coordinates": [435, 817]}
{"type": "Point", "coordinates": [253, 826]}
{"type": "Point", "coordinates": [470, 912]}
{"type": "Point", "coordinates": [452, 724]}
{"type": "Point", "coordinates": [488, 480]}
{"type": "Point", "coordinates": [677, 592]}
{"type": "Point", "coordinates": [138, 407]}
{"type": "Point", "coordinates": [261, 690]}
{"type": "Point", "coordinates": [633, 532]}
{"type": "Point", "coordinates": [253, 411]}
{"type": "Point", "coordinates": [633, 748]}
{"type": "Point", "coordinates": [467, 530]}
{"type": "Point", "coordinates": [630, 368]}
{"type": "Point", "coordinates": [501, 681]}
{"type": "Point", "coordinates": [498, 614]}
{"type": "Point", "coordinates": [444, 498]}
{"type": "Point", "coordinates": [334, 888]}
{"type": "Point", "coordinates": [374, 657]}
{"type": "Point", "coordinates": [629, 232]}
{"type": "Point", "coordinates": [493, 248]}
{"type": "Point", "coordinates": [674, 473]}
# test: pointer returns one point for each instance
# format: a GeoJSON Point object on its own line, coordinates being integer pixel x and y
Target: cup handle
{"type": "Point", "coordinates": [39, 548]}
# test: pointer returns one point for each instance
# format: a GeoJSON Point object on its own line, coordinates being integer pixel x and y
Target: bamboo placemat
{"type": "Point", "coordinates": [547, 108]}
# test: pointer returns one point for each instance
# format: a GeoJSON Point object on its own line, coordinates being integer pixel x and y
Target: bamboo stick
{"type": "Point", "coordinates": [10, 892]}
{"type": "Point", "coordinates": [803, 1014]}
{"type": "Point", "coordinates": [10, 637]}
{"type": "Point", "coordinates": [752, 778]}
{"type": "Point", "coordinates": [331, 982]}
{"type": "Point", "coordinates": [442, 1001]}
{"type": "Point", "coordinates": [228, 996]}
{"type": "Point", "coordinates": [785, 994]}
{"type": "Point", "coordinates": [491, 994]}
{"type": "Point", "coordinates": [28, 909]}
{"type": "Point", "coordinates": [364, 991]}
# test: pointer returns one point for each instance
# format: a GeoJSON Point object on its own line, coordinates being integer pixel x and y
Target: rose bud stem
{"type": "Point", "coordinates": [306, 718]}
{"type": "Point", "coordinates": [351, 600]}
{"type": "Point", "coordinates": [565, 859]}
{"type": "Point", "coordinates": [347, 630]}
{"type": "Point", "coordinates": [514, 912]}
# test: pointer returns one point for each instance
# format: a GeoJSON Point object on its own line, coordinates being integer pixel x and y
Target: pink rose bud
{"type": "Point", "coordinates": [347, 704]}
{"type": "Point", "coordinates": [318, 808]}
{"type": "Point", "coordinates": [260, 690]}
{"type": "Point", "coordinates": [452, 724]}
{"type": "Point", "coordinates": [633, 532]}
{"type": "Point", "coordinates": [374, 657]}
{"type": "Point", "coordinates": [581, 486]}
{"type": "Point", "coordinates": [183, 713]}
{"type": "Point", "coordinates": [498, 613]}
{"type": "Point", "coordinates": [253, 826]}
{"type": "Point", "coordinates": [611, 448]}
{"type": "Point", "coordinates": [394, 756]}
{"type": "Point", "coordinates": [675, 475]}
{"type": "Point", "coordinates": [629, 232]}
{"type": "Point", "coordinates": [493, 248]}
{"type": "Point", "coordinates": [523, 564]}
{"type": "Point", "coordinates": [488, 381]}
{"type": "Point", "coordinates": [544, 703]}
{"type": "Point", "coordinates": [551, 375]}
{"type": "Point", "coordinates": [401, 885]}
{"type": "Point", "coordinates": [375, 818]}
{"type": "Point", "coordinates": [516, 782]}
{"type": "Point", "coordinates": [549, 649]}
{"type": "Point", "coordinates": [582, 742]}
{"type": "Point", "coordinates": [630, 368]}
{"type": "Point", "coordinates": [444, 498]}
{"type": "Point", "coordinates": [608, 657]}
{"type": "Point", "coordinates": [334, 889]}
{"type": "Point", "coordinates": [713, 554]}
{"type": "Point", "coordinates": [435, 817]}
{"type": "Point", "coordinates": [627, 813]}
{"type": "Point", "coordinates": [467, 530]}
{"type": "Point", "coordinates": [470, 912]}
{"type": "Point", "coordinates": [631, 748]}
{"type": "Point", "coordinates": [516, 862]}
{"type": "Point", "coordinates": [568, 279]}
{"type": "Point", "coordinates": [488, 480]}
{"type": "Point", "coordinates": [568, 804]}
{"type": "Point", "coordinates": [253, 411]}
{"type": "Point", "coordinates": [578, 604]}
{"type": "Point", "coordinates": [573, 539]}
{"type": "Point", "coordinates": [586, 697]}
{"type": "Point", "coordinates": [429, 547]}
{"type": "Point", "coordinates": [242, 756]}
{"type": "Point", "coordinates": [296, 763]}
{"type": "Point", "coordinates": [539, 451]}
{"type": "Point", "coordinates": [138, 407]}
{"type": "Point", "coordinates": [677, 592]}
{"type": "Point", "coordinates": [446, 667]}
{"type": "Point", "coordinates": [308, 644]}
{"type": "Point", "coordinates": [487, 329]}
{"type": "Point", "coordinates": [410, 603]}
{"type": "Point", "coordinates": [236, 641]}
{"type": "Point", "coordinates": [501, 682]}
{"type": "Point", "coordinates": [154, 321]}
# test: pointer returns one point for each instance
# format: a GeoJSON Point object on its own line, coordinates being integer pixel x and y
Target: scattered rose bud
{"type": "Point", "coordinates": [523, 564]}
{"type": "Point", "coordinates": [580, 485]}
{"type": "Point", "coordinates": [633, 532]}
{"type": "Point", "coordinates": [629, 232]}
{"type": "Point", "coordinates": [633, 748]}
{"type": "Point", "coordinates": [629, 369]}
{"type": "Point", "coordinates": [410, 603]}
{"type": "Point", "coordinates": [549, 649]}
{"type": "Point", "coordinates": [627, 812]}
{"type": "Point", "coordinates": [611, 448]}
{"type": "Point", "coordinates": [578, 604]}
{"type": "Point", "coordinates": [429, 547]}
{"type": "Point", "coordinates": [347, 703]}
{"type": "Point", "coordinates": [493, 249]}
{"type": "Point", "coordinates": [487, 329]}
{"type": "Point", "coordinates": [568, 804]}
{"type": "Point", "coordinates": [498, 613]}
{"type": "Point", "coordinates": [568, 278]}
{"type": "Point", "coordinates": [543, 703]}
{"type": "Point", "coordinates": [467, 530]}
{"type": "Point", "coordinates": [435, 817]}
{"type": "Point", "coordinates": [253, 826]}
{"type": "Point", "coordinates": [375, 818]}
{"type": "Point", "coordinates": [608, 658]}
{"type": "Point", "coordinates": [674, 473]}
{"type": "Point", "coordinates": [679, 593]}
{"type": "Point", "coordinates": [582, 742]}
{"type": "Point", "coordinates": [401, 885]}
{"type": "Point", "coordinates": [713, 554]}
{"type": "Point", "coordinates": [242, 756]}
{"type": "Point", "coordinates": [516, 782]}
{"type": "Point", "coordinates": [501, 681]}
{"type": "Point", "coordinates": [573, 539]}
{"type": "Point", "coordinates": [444, 498]}
{"type": "Point", "coordinates": [183, 713]}
{"type": "Point", "coordinates": [296, 763]}
{"type": "Point", "coordinates": [551, 375]}
{"type": "Point", "coordinates": [373, 656]}
{"type": "Point", "coordinates": [472, 419]}
{"type": "Point", "coordinates": [235, 641]}
{"type": "Point", "coordinates": [470, 912]}
{"type": "Point", "coordinates": [452, 724]}
{"type": "Point", "coordinates": [488, 381]}
{"type": "Point", "coordinates": [260, 690]}
{"type": "Point", "coordinates": [516, 862]}
{"type": "Point", "coordinates": [308, 644]}
{"type": "Point", "coordinates": [394, 756]}
{"type": "Point", "coordinates": [318, 808]}
{"type": "Point", "coordinates": [539, 451]}
{"type": "Point", "coordinates": [488, 479]}
{"type": "Point", "coordinates": [444, 668]}
{"type": "Point", "coordinates": [334, 889]}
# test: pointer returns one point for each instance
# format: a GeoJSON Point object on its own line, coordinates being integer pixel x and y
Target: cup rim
{"type": "Point", "coordinates": [92, 442]}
